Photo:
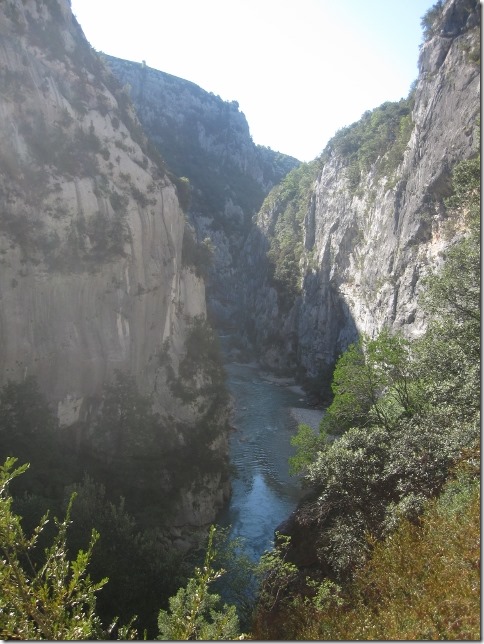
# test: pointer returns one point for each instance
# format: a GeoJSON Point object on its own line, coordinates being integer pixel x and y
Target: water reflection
{"type": "Point", "coordinates": [263, 492]}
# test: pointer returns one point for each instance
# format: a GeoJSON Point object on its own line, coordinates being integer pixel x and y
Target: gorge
{"type": "Point", "coordinates": [310, 280]}
{"type": "Point", "coordinates": [140, 222]}
{"type": "Point", "coordinates": [263, 491]}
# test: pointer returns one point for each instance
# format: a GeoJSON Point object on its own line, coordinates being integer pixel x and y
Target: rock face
{"type": "Point", "coordinates": [207, 140]}
{"type": "Point", "coordinates": [92, 277]}
{"type": "Point", "coordinates": [100, 270]}
{"type": "Point", "coordinates": [373, 219]}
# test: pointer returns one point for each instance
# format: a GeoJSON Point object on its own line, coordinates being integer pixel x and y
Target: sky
{"type": "Point", "coordinates": [299, 69]}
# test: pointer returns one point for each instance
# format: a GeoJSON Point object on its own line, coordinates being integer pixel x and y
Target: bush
{"type": "Point", "coordinates": [430, 20]}
{"type": "Point", "coordinates": [183, 191]}
{"type": "Point", "coordinates": [53, 601]}
{"type": "Point", "coordinates": [382, 133]}
{"type": "Point", "coordinates": [421, 582]}
{"type": "Point", "coordinates": [192, 614]}
{"type": "Point", "coordinates": [143, 570]}
{"type": "Point", "coordinates": [287, 206]}
{"type": "Point", "coordinates": [404, 413]}
{"type": "Point", "coordinates": [195, 255]}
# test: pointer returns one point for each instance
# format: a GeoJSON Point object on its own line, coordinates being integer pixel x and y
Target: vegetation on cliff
{"type": "Point", "coordinates": [404, 415]}
{"type": "Point", "coordinates": [392, 519]}
{"type": "Point", "coordinates": [128, 471]}
{"type": "Point", "coordinates": [285, 208]}
{"type": "Point", "coordinates": [386, 545]}
{"type": "Point", "coordinates": [422, 582]}
{"type": "Point", "coordinates": [381, 134]}
{"type": "Point", "coordinates": [373, 145]}
{"type": "Point", "coordinates": [194, 131]}
{"type": "Point", "coordinates": [126, 482]}
{"type": "Point", "coordinates": [49, 595]}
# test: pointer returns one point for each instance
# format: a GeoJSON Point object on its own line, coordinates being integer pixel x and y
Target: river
{"type": "Point", "coordinates": [264, 419]}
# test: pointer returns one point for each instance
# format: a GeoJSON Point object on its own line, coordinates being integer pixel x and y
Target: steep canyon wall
{"type": "Point", "coordinates": [100, 269]}
{"type": "Point", "coordinates": [92, 276]}
{"type": "Point", "coordinates": [341, 247]}
{"type": "Point", "coordinates": [208, 141]}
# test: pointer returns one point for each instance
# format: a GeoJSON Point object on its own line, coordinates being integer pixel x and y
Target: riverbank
{"type": "Point", "coordinates": [302, 415]}
{"type": "Point", "coordinates": [287, 382]}
{"type": "Point", "coordinates": [311, 417]}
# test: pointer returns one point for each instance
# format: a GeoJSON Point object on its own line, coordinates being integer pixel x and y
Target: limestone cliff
{"type": "Point", "coordinates": [207, 140]}
{"type": "Point", "coordinates": [342, 245]}
{"type": "Point", "coordinates": [92, 275]}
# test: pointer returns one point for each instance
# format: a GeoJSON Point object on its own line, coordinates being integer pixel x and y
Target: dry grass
{"type": "Point", "coordinates": [422, 582]}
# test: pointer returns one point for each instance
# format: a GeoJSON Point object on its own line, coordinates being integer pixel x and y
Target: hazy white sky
{"type": "Point", "coordinates": [299, 69]}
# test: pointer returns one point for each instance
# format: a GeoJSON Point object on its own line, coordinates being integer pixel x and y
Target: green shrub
{"type": "Point", "coordinates": [55, 600]}
{"type": "Point", "coordinates": [381, 134]}
{"type": "Point", "coordinates": [286, 206]}
{"type": "Point", "coordinates": [407, 412]}
{"type": "Point", "coordinates": [194, 612]}
{"type": "Point", "coordinates": [201, 374]}
{"type": "Point", "coordinates": [421, 583]}
{"type": "Point", "coordinates": [197, 255]}
{"type": "Point", "coordinates": [430, 20]}
{"type": "Point", "coordinates": [183, 191]}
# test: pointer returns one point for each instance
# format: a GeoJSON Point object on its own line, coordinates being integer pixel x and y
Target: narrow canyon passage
{"type": "Point", "coordinates": [264, 419]}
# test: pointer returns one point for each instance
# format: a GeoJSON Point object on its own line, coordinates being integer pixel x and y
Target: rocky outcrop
{"type": "Point", "coordinates": [373, 219]}
{"type": "Point", "coordinates": [207, 140]}
{"type": "Point", "coordinates": [92, 276]}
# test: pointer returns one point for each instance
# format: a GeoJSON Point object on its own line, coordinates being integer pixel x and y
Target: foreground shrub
{"type": "Point", "coordinates": [55, 600]}
{"type": "Point", "coordinates": [421, 583]}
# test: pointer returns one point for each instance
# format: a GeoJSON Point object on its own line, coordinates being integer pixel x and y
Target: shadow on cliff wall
{"type": "Point", "coordinates": [299, 334]}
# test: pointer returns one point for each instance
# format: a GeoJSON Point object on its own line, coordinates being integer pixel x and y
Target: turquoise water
{"type": "Point", "coordinates": [263, 492]}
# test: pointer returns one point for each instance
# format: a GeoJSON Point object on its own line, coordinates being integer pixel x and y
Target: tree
{"type": "Point", "coordinates": [421, 582]}
{"type": "Point", "coordinates": [239, 583]}
{"type": "Point", "coordinates": [126, 425]}
{"type": "Point", "coordinates": [308, 443]}
{"type": "Point", "coordinates": [55, 600]}
{"type": "Point", "coordinates": [356, 388]}
{"type": "Point", "coordinates": [142, 568]}
{"type": "Point", "coordinates": [449, 353]}
{"type": "Point", "coordinates": [24, 412]}
{"type": "Point", "coordinates": [29, 429]}
{"type": "Point", "coordinates": [372, 385]}
{"type": "Point", "coordinates": [183, 190]}
{"type": "Point", "coordinates": [431, 19]}
{"type": "Point", "coordinates": [192, 614]}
